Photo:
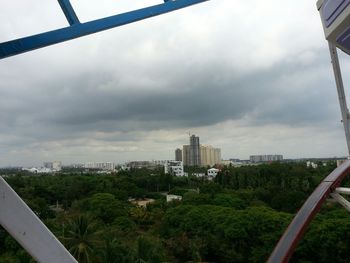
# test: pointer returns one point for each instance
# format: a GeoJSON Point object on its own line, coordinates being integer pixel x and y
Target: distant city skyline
{"type": "Point", "coordinates": [160, 161]}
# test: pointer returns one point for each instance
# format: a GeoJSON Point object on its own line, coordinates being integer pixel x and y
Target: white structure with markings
{"type": "Point", "coordinates": [175, 168]}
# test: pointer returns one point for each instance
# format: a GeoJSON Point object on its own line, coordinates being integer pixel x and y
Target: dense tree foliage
{"type": "Point", "coordinates": [238, 217]}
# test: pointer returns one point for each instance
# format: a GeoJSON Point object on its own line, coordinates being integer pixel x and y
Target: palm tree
{"type": "Point", "coordinates": [139, 214]}
{"type": "Point", "coordinates": [81, 238]}
{"type": "Point", "coordinates": [115, 252]}
{"type": "Point", "coordinates": [148, 250]}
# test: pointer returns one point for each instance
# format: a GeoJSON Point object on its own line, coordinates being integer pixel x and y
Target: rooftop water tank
{"type": "Point", "coordinates": [335, 15]}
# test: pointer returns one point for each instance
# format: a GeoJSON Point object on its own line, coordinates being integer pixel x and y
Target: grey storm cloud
{"type": "Point", "coordinates": [193, 98]}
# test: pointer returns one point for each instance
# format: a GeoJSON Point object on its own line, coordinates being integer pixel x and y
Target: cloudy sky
{"type": "Point", "coordinates": [250, 77]}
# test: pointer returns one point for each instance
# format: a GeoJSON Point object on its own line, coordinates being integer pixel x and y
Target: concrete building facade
{"type": "Point", "coordinates": [265, 158]}
{"type": "Point", "coordinates": [178, 155]}
{"type": "Point", "coordinates": [100, 165]}
{"type": "Point", "coordinates": [175, 168]}
{"type": "Point", "coordinates": [212, 173]}
{"type": "Point", "coordinates": [195, 152]}
{"type": "Point", "coordinates": [186, 155]}
{"type": "Point", "coordinates": [210, 155]}
{"type": "Point", "coordinates": [55, 166]}
{"type": "Point", "coordinates": [170, 198]}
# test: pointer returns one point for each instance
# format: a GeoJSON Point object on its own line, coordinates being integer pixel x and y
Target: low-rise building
{"type": "Point", "coordinates": [198, 175]}
{"type": "Point", "coordinates": [311, 164]}
{"type": "Point", "coordinates": [175, 168]}
{"type": "Point", "coordinates": [266, 158]}
{"type": "Point", "coordinates": [142, 202]}
{"type": "Point", "coordinates": [108, 166]}
{"type": "Point", "coordinates": [141, 165]}
{"type": "Point", "coordinates": [226, 162]}
{"type": "Point", "coordinates": [212, 173]}
{"type": "Point", "coordinates": [340, 162]}
{"type": "Point", "coordinates": [55, 165]}
{"type": "Point", "coordinates": [170, 198]}
{"type": "Point", "coordinates": [41, 170]}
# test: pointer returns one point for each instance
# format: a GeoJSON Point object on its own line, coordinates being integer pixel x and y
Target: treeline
{"type": "Point", "coordinates": [238, 217]}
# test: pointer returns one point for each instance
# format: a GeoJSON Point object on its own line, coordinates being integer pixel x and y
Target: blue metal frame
{"type": "Point", "coordinates": [77, 29]}
{"type": "Point", "coordinates": [69, 12]}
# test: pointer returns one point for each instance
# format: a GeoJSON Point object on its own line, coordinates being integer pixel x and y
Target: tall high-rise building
{"type": "Point", "coordinates": [178, 155]}
{"type": "Point", "coordinates": [186, 155]}
{"type": "Point", "coordinates": [195, 153]}
{"type": "Point", "coordinates": [210, 155]}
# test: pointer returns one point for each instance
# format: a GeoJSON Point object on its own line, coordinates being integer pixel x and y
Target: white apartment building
{"type": "Point", "coordinates": [55, 165]}
{"type": "Point", "coordinates": [170, 198]}
{"type": "Point", "coordinates": [174, 167]}
{"type": "Point", "coordinates": [311, 164]}
{"type": "Point", "coordinates": [266, 158]}
{"type": "Point", "coordinates": [41, 170]}
{"type": "Point", "coordinates": [100, 165]}
{"type": "Point", "coordinates": [212, 173]}
{"type": "Point", "coordinates": [160, 162]}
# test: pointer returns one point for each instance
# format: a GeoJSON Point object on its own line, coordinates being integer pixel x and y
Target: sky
{"type": "Point", "coordinates": [250, 77]}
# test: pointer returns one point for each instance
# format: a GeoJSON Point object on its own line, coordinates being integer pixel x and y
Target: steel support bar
{"type": "Point", "coordinates": [18, 46]}
{"type": "Point", "coordinates": [295, 231]}
{"type": "Point", "coordinates": [341, 200]}
{"type": "Point", "coordinates": [23, 225]}
{"type": "Point", "coordinates": [341, 93]}
{"type": "Point", "coordinates": [69, 12]}
{"type": "Point", "coordinates": [343, 190]}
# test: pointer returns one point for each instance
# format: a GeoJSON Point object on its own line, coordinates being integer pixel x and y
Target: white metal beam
{"type": "Point", "coordinates": [343, 190]}
{"type": "Point", "coordinates": [341, 93]}
{"type": "Point", "coordinates": [23, 225]}
{"type": "Point", "coordinates": [341, 200]}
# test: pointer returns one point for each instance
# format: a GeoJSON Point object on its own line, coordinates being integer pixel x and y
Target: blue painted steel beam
{"type": "Point", "coordinates": [69, 12]}
{"type": "Point", "coordinates": [18, 46]}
